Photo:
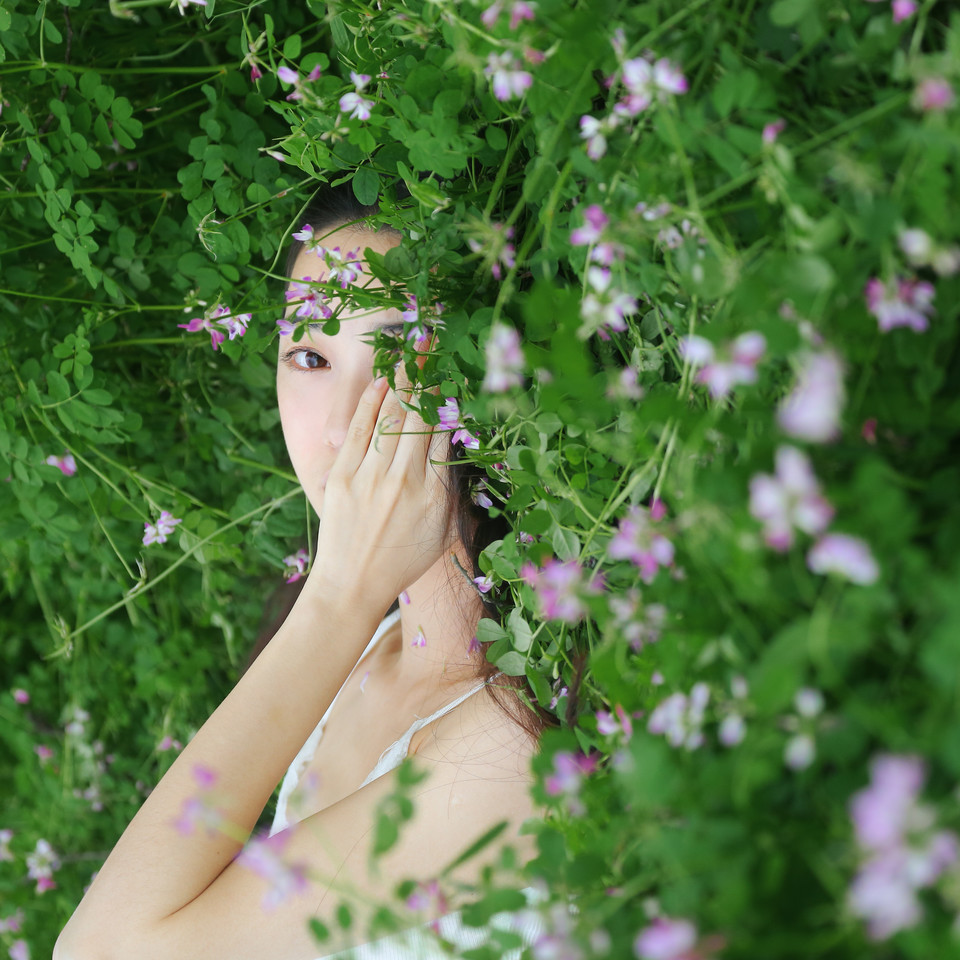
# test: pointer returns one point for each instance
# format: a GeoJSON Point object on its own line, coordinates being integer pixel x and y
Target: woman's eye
{"type": "Point", "coordinates": [306, 360]}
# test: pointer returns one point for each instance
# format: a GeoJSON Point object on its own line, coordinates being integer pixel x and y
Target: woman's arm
{"type": "Point", "coordinates": [247, 744]}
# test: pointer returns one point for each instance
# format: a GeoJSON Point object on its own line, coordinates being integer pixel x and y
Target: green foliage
{"type": "Point", "coordinates": [146, 177]}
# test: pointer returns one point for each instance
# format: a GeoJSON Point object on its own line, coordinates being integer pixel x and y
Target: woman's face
{"type": "Point", "coordinates": [320, 378]}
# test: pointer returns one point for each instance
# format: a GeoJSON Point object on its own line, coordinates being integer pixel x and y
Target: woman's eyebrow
{"type": "Point", "coordinates": [386, 325]}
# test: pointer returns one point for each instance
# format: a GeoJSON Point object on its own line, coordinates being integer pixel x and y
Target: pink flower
{"type": "Point", "coordinates": [847, 556]}
{"type": "Point", "coordinates": [906, 304]}
{"type": "Point", "coordinates": [429, 897]}
{"type": "Point", "coordinates": [66, 464]}
{"type": "Point", "coordinates": [449, 415]}
{"type": "Point", "coordinates": [508, 80]}
{"type": "Point", "coordinates": [6, 835]}
{"type": "Point", "coordinates": [882, 811]}
{"type": "Point", "coordinates": [604, 306]}
{"type": "Point", "coordinates": [559, 588]}
{"type": "Point", "coordinates": [773, 130]}
{"type": "Point", "coordinates": [569, 769]}
{"type": "Point", "coordinates": [356, 106]}
{"type": "Point", "coordinates": [504, 360]}
{"type": "Point", "coordinates": [666, 939]}
{"type": "Point", "coordinates": [197, 814]}
{"type": "Point", "coordinates": [636, 541]}
{"type": "Point", "coordinates": [19, 949]}
{"type": "Point", "coordinates": [680, 717]}
{"type": "Point", "coordinates": [496, 249]}
{"type": "Point", "coordinates": [484, 584]}
{"type": "Point", "coordinates": [163, 528]}
{"type": "Point", "coordinates": [167, 743]}
{"type": "Point", "coordinates": [479, 497]}
{"type": "Point", "coordinates": [296, 565]}
{"type": "Point", "coordinates": [609, 725]}
{"type": "Point", "coordinates": [264, 856]}
{"type": "Point", "coordinates": [419, 640]}
{"type": "Point", "coordinates": [217, 319]}
{"type": "Point", "coordinates": [903, 10]}
{"type": "Point", "coordinates": [41, 864]}
{"type": "Point", "coordinates": [639, 623]}
{"type": "Point", "coordinates": [933, 94]}
{"type": "Point", "coordinates": [737, 361]}
{"type": "Point", "coordinates": [790, 499]}
{"type": "Point", "coordinates": [286, 75]}
{"type": "Point", "coordinates": [732, 730]}
{"type": "Point", "coordinates": [43, 752]}
{"type": "Point", "coordinates": [645, 80]}
{"type": "Point", "coordinates": [345, 267]}
{"type": "Point", "coordinates": [14, 922]}
{"type": "Point", "coordinates": [811, 411]}
{"type": "Point", "coordinates": [592, 230]}
{"type": "Point", "coordinates": [313, 306]}
{"type": "Point", "coordinates": [21, 695]}
{"type": "Point", "coordinates": [595, 132]}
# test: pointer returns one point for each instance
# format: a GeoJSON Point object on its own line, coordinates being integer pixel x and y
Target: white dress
{"type": "Point", "coordinates": [416, 942]}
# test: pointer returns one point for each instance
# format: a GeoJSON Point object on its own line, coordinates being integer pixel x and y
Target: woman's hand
{"type": "Point", "coordinates": [385, 518]}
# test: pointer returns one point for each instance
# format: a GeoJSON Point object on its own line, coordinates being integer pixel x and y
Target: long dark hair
{"type": "Point", "coordinates": [331, 208]}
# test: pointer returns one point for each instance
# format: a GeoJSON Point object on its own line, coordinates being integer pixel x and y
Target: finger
{"type": "Point", "coordinates": [361, 429]}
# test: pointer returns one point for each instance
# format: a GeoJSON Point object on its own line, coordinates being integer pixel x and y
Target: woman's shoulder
{"type": "Point", "coordinates": [481, 737]}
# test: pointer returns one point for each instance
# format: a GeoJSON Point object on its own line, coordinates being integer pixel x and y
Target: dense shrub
{"type": "Point", "coordinates": [698, 266]}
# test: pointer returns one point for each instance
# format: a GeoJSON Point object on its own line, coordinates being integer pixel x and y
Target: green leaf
{"type": "Point", "coordinates": [57, 385]}
{"type": "Point", "coordinates": [291, 47]}
{"type": "Point", "coordinates": [785, 13]}
{"type": "Point", "coordinates": [513, 664]}
{"type": "Point", "coordinates": [366, 185]}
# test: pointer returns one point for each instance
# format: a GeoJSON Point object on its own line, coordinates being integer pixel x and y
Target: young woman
{"type": "Point", "coordinates": [335, 709]}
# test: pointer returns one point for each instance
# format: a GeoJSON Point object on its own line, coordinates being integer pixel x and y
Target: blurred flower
{"type": "Point", "coordinates": [916, 245]}
{"type": "Point", "coordinates": [14, 922]}
{"type": "Point", "coordinates": [722, 368]}
{"type": "Point", "coordinates": [811, 411]}
{"type": "Point", "coordinates": [420, 329]}
{"type": "Point", "coordinates": [739, 687]}
{"type": "Point", "coordinates": [286, 75]}
{"type": "Point", "coordinates": [66, 463]}
{"type": "Point", "coordinates": [182, 5]}
{"type": "Point", "coordinates": [264, 856]}
{"type": "Point", "coordinates": [905, 303]}
{"type": "Point", "coordinates": [498, 252]}
{"type": "Point", "coordinates": [508, 80]}
{"type": "Point", "coordinates": [429, 897]}
{"type": "Point", "coordinates": [592, 230]}
{"type": "Point", "coordinates": [356, 106]}
{"type": "Point", "coordinates": [773, 130]}
{"type": "Point", "coordinates": [595, 132]}
{"type": "Point", "coordinates": [809, 702]}
{"type": "Point", "coordinates": [419, 640]}
{"type": "Point", "coordinates": [21, 695]}
{"type": "Point", "coordinates": [732, 730]}
{"type": "Point", "coordinates": [43, 752]}
{"type": "Point", "coordinates": [167, 743]}
{"type": "Point", "coordinates": [680, 718]}
{"type": "Point", "coordinates": [569, 769]}
{"type": "Point", "coordinates": [296, 565]}
{"type": "Point", "coordinates": [933, 94]}
{"type": "Point", "coordinates": [903, 10]}
{"type": "Point", "coordinates": [19, 949]}
{"type": "Point", "coordinates": [163, 528]}
{"type": "Point", "coordinates": [608, 724]}
{"type": "Point", "coordinates": [559, 587]}
{"type": "Point", "coordinates": [449, 415]}
{"type": "Point", "coordinates": [638, 542]}
{"type": "Point", "coordinates": [902, 850]}
{"type": "Point", "coordinates": [76, 719]}
{"type": "Point", "coordinates": [800, 751]}
{"type": "Point", "coordinates": [645, 80]}
{"type": "Point", "coordinates": [604, 306]}
{"type": "Point", "coordinates": [666, 939]}
{"type": "Point", "coordinates": [790, 499]}
{"type": "Point", "coordinates": [6, 835]}
{"type": "Point", "coordinates": [41, 864]}
{"type": "Point", "coordinates": [625, 386]}
{"type": "Point", "coordinates": [504, 360]}
{"type": "Point", "coordinates": [847, 556]}
{"type": "Point", "coordinates": [639, 623]}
